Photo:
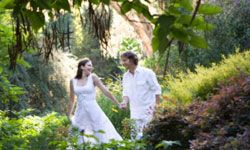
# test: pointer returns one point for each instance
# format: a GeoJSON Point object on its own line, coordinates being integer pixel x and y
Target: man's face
{"type": "Point", "coordinates": [126, 62]}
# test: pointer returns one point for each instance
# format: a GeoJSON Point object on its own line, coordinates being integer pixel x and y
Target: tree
{"type": "Point", "coordinates": [179, 21]}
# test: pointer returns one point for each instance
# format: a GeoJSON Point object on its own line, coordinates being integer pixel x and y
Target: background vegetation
{"type": "Point", "coordinates": [201, 56]}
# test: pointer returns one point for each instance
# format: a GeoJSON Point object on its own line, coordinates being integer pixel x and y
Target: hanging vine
{"type": "Point", "coordinates": [99, 18]}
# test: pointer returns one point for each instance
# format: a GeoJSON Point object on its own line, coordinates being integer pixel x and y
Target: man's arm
{"type": "Point", "coordinates": [154, 86]}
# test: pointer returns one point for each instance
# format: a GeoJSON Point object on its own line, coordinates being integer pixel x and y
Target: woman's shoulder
{"type": "Point", "coordinates": [94, 76]}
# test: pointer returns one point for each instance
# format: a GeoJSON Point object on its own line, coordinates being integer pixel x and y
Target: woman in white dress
{"type": "Point", "coordinates": [88, 116]}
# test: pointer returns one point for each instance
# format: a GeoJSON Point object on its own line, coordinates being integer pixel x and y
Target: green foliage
{"type": "Point", "coordinates": [220, 122]}
{"type": "Point", "coordinates": [189, 86]}
{"type": "Point", "coordinates": [138, 6]}
{"type": "Point", "coordinates": [168, 25]}
{"type": "Point", "coordinates": [208, 9]}
{"type": "Point", "coordinates": [45, 91]}
{"type": "Point", "coordinates": [5, 37]}
{"type": "Point", "coordinates": [35, 10]}
{"type": "Point", "coordinates": [32, 132]}
{"type": "Point", "coordinates": [116, 145]}
{"type": "Point", "coordinates": [8, 92]}
{"type": "Point", "coordinates": [230, 31]}
{"type": "Point", "coordinates": [177, 23]}
{"type": "Point", "coordinates": [37, 19]}
{"type": "Point", "coordinates": [50, 132]}
{"type": "Point", "coordinates": [85, 44]}
{"type": "Point", "coordinates": [130, 44]}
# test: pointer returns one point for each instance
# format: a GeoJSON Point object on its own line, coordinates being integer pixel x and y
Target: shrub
{"type": "Point", "coordinates": [222, 122]}
{"type": "Point", "coordinates": [201, 83]}
{"type": "Point", "coordinates": [32, 132]}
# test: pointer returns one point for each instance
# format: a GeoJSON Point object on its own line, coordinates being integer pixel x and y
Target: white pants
{"type": "Point", "coordinates": [139, 126]}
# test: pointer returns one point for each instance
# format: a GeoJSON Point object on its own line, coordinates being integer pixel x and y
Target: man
{"type": "Point", "coordinates": [141, 90]}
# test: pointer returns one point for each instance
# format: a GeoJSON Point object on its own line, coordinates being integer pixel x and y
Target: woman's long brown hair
{"type": "Point", "coordinates": [79, 70]}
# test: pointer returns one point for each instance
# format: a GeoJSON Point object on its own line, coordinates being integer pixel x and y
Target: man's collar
{"type": "Point", "coordinates": [137, 69]}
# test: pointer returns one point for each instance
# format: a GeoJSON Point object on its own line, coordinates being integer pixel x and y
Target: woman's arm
{"type": "Point", "coordinates": [104, 90]}
{"type": "Point", "coordinates": [71, 100]}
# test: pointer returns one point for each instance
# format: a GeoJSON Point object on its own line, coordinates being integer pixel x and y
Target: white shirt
{"type": "Point", "coordinates": [141, 88]}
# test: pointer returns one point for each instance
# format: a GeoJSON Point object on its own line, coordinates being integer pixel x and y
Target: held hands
{"type": "Point", "coordinates": [123, 105]}
{"type": "Point", "coordinates": [69, 115]}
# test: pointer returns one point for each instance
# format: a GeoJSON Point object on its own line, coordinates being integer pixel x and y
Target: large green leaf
{"type": "Point", "coordinates": [106, 2]}
{"type": "Point", "coordinates": [160, 40]}
{"type": "Point", "coordinates": [1, 70]}
{"type": "Point", "coordinates": [141, 9]}
{"type": "Point", "coordinates": [200, 24]}
{"type": "Point", "coordinates": [77, 2]}
{"type": "Point", "coordinates": [61, 4]}
{"type": "Point", "coordinates": [198, 41]}
{"type": "Point", "coordinates": [187, 4]}
{"type": "Point", "coordinates": [174, 10]}
{"type": "Point", "coordinates": [185, 19]}
{"type": "Point", "coordinates": [44, 4]}
{"type": "Point", "coordinates": [95, 1]}
{"type": "Point", "coordinates": [6, 4]}
{"type": "Point", "coordinates": [36, 19]}
{"type": "Point", "coordinates": [147, 14]}
{"type": "Point", "coordinates": [155, 40]}
{"type": "Point", "coordinates": [163, 44]}
{"type": "Point", "coordinates": [166, 21]}
{"type": "Point", "coordinates": [155, 44]}
{"type": "Point", "coordinates": [198, 20]}
{"type": "Point", "coordinates": [205, 26]}
{"type": "Point", "coordinates": [125, 7]}
{"type": "Point", "coordinates": [180, 34]}
{"type": "Point", "coordinates": [209, 9]}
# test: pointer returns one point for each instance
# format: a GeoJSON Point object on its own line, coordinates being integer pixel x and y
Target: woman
{"type": "Point", "coordinates": [88, 116]}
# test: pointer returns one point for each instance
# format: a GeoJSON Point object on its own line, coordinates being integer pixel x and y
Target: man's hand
{"type": "Point", "coordinates": [69, 115]}
{"type": "Point", "coordinates": [123, 105]}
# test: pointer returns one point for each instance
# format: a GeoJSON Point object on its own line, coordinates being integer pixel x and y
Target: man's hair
{"type": "Point", "coordinates": [131, 56]}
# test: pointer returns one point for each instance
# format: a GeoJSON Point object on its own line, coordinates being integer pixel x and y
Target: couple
{"type": "Point", "coordinates": [140, 89]}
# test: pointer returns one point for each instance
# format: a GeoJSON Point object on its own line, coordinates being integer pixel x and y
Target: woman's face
{"type": "Point", "coordinates": [88, 68]}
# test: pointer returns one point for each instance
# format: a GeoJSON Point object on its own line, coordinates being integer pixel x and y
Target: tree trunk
{"type": "Point", "coordinates": [141, 25]}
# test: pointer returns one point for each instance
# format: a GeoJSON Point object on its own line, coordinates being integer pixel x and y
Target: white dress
{"type": "Point", "coordinates": [89, 116]}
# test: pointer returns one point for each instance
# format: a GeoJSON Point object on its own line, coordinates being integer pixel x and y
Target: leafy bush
{"type": "Point", "coordinates": [222, 122]}
{"type": "Point", "coordinates": [231, 30]}
{"type": "Point", "coordinates": [50, 132]}
{"type": "Point", "coordinates": [8, 91]}
{"type": "Point", "coordinates": [189, 86]}
{"type": "Point", "coordinates": [32, 132]}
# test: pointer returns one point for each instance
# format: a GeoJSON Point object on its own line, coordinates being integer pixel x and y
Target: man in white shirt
{"type": "Point", "coordinates": [141, 90]}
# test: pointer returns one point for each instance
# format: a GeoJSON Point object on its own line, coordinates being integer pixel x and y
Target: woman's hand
{"type": "Point", "coordinates": [123, 105]}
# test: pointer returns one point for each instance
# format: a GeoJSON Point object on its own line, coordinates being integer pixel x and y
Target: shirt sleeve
{"type": "Point", "coordinates": [125, 91]}
{"type": "Point", "coordinates": [153, 83]}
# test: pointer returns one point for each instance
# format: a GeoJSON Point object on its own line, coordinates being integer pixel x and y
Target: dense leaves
{"type": "Point", "coordinates": [181, 22]}
{"type": "Point", "coordinates": [174, 23]}
{"type": "Point", "coordinates": [221, 122]}
{"type": "Point", "coordinates": [199, 84]}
